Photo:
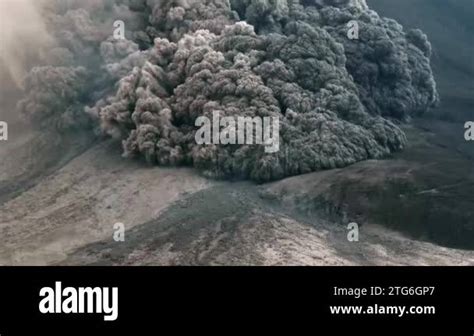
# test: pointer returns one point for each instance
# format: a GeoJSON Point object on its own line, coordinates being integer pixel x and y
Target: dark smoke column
{"type": "Point", "coordinates": [336, 98]}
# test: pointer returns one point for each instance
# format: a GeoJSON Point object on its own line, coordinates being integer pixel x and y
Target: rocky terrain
{"type": "Point", "coordinates": [176, 217]}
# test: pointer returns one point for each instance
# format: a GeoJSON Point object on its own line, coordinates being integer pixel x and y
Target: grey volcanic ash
{"type": "Point", "coordinates": [338, 100]}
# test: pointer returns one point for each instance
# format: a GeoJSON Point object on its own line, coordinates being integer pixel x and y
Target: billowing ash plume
{"type": "Point", "coordinates": [336, 98]}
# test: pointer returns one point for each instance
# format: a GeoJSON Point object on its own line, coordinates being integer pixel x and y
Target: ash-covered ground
{"type": "Point", "coordinates": [102, 131]}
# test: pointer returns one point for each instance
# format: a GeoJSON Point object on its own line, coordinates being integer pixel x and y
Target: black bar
{"type": "Point", "coordinates": [224, 299]}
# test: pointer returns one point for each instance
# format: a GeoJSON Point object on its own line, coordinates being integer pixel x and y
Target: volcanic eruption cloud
{"type": "Point", "coordinates": [338, 100]}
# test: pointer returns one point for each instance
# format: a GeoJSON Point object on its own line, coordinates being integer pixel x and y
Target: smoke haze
{"type": "Point", "coordinates": [23, 37]}
{"type": "Point", "coordinates": [21, 25]}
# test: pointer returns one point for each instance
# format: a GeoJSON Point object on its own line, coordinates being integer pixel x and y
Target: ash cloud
{"type": "Point", "coordinates": [338, 100]}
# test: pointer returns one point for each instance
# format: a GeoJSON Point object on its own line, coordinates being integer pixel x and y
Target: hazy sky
{"type": "Point", "coordinates": [22, 33]}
